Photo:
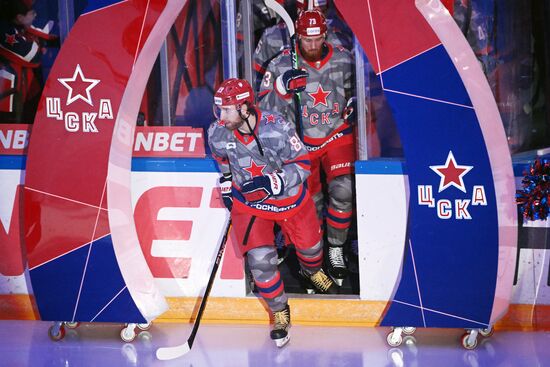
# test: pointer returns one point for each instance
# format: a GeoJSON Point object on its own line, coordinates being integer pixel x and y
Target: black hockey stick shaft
{"type": "Point", "coordinates": [278, 8]}
{"type": "Point", "coordinates": [297, 98]}
{"type": "Point", "coordinates": [209, 285]}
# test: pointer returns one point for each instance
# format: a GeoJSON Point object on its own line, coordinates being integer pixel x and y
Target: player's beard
{"type": "Point", "coordinates": [312, 55]}
{"type": "Point", "coordinates": [233, 125]}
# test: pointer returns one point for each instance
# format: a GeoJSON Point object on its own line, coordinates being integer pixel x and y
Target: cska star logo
{"type": "Point", "coordinates": [11, 39]}
{"type": "Point", "coordinates": [254, 169]}
{"type": "Point", "coordinates": [451, 175]}
{"type": "Point", "coordinates": [316, 116]}
{"type": "Point", "coordinates": [79, 111]}
{"type": "Point", "coordinates": [320, 96]}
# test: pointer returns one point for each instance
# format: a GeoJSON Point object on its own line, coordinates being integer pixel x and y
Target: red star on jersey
{"type": "Point", "coordinates": [254, 169]}
{"type": "Point", "coordinates": [270, 118]}
{"type": "Point", "coordinates": [451, 173]}
{"type": "Point", "coordinates": [320, 97]}
{"type": "Point", "coordinates": [10, 39]}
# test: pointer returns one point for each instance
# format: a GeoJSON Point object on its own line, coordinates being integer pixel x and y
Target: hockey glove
{"type": "Point", "coordinates": [263, 187]}
{"type": "Point", "coordinates": [225, 186]}
{"type": "Point", "coordinates": [350, 112]}
{"type": "Point", "coordinates": [292, 81]}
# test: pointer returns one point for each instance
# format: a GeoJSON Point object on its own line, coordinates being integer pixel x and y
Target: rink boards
{"type": "Point", "coordinates": [179, 238]}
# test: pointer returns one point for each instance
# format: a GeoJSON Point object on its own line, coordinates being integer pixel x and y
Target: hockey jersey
{"type": "Point", "coordinates": [20, 72]}
{"type": "Point", "coordinates": [281, 150]}
{"type": "Point", "coordinates": [329, 86]}
{"type": "Point", "coordinates": [276, 38]}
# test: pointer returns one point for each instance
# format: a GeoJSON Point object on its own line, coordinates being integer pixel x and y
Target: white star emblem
{"type": "Point", "coordinates": [451, 173]}
{"type": "Point", "coordinates": [78, 78]}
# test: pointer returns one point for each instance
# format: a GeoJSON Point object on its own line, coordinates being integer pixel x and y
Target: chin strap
{"type": "Point", "coordinates": [245, 118]}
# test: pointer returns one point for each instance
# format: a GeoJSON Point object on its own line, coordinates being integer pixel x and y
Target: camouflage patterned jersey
{"type": "Point", "coordinates": [282, 151]}
{"type": "Point", "coordinates": [329, 86]}
{"type": "Point", "coordinates": [276, 38]}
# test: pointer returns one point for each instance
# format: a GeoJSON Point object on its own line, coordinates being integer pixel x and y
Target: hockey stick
{"type": "Point", "coordinates": [167, 353]}
{"type": "Point", "coordinates": [280, 11]}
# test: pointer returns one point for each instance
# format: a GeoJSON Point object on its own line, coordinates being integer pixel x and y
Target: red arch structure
{"type": "Point", "coordinates": [84, 257]}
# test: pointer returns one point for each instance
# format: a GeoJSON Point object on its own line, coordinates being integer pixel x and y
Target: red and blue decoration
{"type": "Point", "coordinates": [534, 198]}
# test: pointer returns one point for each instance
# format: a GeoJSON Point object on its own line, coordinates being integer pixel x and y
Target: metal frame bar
{"type": "Point", "coordinates": [360, 86]}
{"type": "Point", "coordinates": [229, 39]}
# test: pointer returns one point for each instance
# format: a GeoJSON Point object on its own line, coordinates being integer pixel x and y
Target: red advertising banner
{"type": "Point", "coordinates": [14, 139]}
{"type": "Point", "coordinates": [169, 141]}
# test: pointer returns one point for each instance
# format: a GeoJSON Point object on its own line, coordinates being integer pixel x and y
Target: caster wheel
{"type": "Point", "coordinates": [127, 335]}
{"type": "Point", "coordinates": [145, 326]}
{"type": "Point", "coordinates": [409, 330]}
{"type": "Point", "coordinates": [394, 342]}
{"type": "Point", "coordinates": [487, 332]}
{"type": "Point", "coordinates": [56, 336]}
{"type": "Point", "coordinates": [466, 344]}
{"type": "Point", "coordinates": [72, 325]}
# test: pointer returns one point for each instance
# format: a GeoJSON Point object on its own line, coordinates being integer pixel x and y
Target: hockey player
{"type": "Point", "coordinates": [20, 50]}
{"type": "Point", "coordinates": [276, 38]}
{"type": "Point", "coordinates": [264, 166]}
{"type": "Point", "coordinates": [325, 78]}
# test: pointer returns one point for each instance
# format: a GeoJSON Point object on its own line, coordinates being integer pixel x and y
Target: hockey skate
{"type": "Point", "coordinates": [336, 265]}
{"type": "Point", "coordinates": [319, 282]}
{"type": "Point", "coordinates": [279, 334]}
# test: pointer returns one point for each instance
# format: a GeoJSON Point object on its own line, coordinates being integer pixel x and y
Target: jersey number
{"type": "Point", "coordinates": [267, 79]}
{"type": "Point", "coordinates": [296, 143]}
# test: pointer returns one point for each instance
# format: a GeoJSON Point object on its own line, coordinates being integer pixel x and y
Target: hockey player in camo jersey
{"type": "Point", "coordinates": [264, 166]}
{"type": "Point", "coordinates": [276, 38]}
{"type": "Point", "coordinates": [325, 79]}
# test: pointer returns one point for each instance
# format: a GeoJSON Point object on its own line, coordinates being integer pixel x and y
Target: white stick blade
{"type": "Point", "coordinates": [280, 10]}
{"type": "Point", "coordinates": [168, 353]}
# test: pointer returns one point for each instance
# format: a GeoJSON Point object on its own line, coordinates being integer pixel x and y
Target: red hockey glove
{"type": "Point", "coordinates": [225, 186]}
{"type": "Point", "coordinates": [292, 81]}
{"type": "Point", "coordinates": [262, 188]}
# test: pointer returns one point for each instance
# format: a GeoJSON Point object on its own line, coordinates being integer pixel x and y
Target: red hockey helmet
{"type": "Point", "coordinates": [234, 91]}
{"type": "Point", "coordinates": [311, 23]}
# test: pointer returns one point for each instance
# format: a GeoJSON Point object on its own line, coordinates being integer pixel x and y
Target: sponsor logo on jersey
{"type": "Point", "coordinates": [451, 175]}
{"type": "Point", "coordinates": [79, 112]}
{"type": "Point", "coordinates": [311, 148]}
{"type": "Point", "coordinates": [340, 165]}
{"type": "Point", "coordinates": [272, 208]}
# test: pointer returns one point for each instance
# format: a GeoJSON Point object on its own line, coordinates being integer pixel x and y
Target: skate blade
{"type": "Point", "coordinates": [282, 342]}
{"type": "Point", "coordinates": [337, 281]}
